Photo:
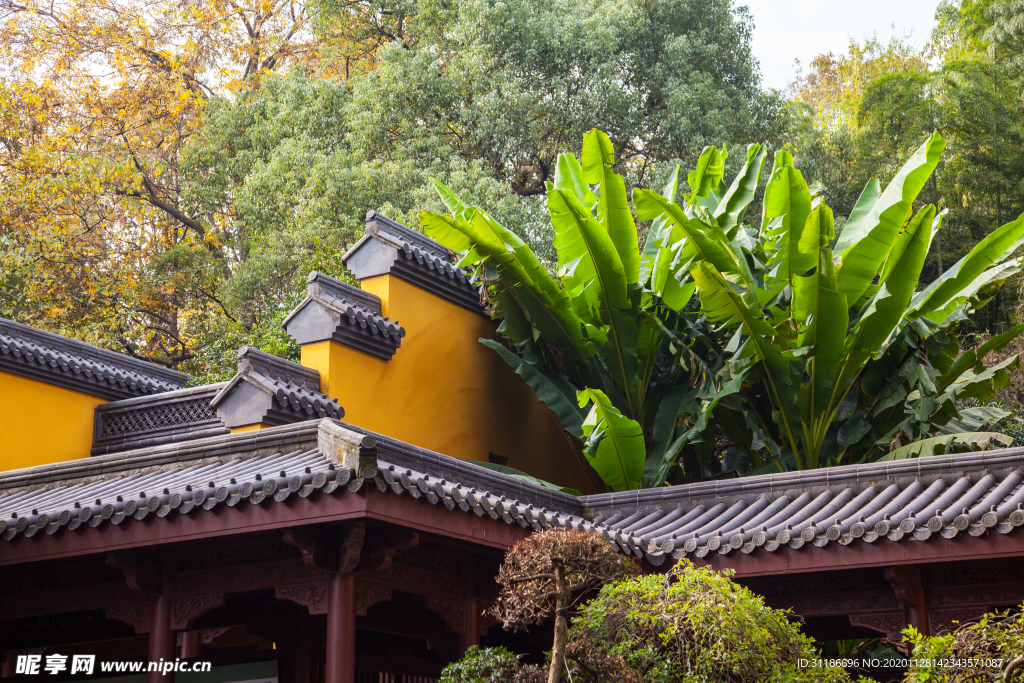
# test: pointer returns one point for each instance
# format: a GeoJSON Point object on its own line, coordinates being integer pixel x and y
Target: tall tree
{"type": "Point", "coordinates": [102, 96]}
{"type": "Point", "coordinates": [514, 84]}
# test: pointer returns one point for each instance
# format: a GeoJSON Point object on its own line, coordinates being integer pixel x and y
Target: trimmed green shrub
{"type": "Point", "coordinates": [695, 625]}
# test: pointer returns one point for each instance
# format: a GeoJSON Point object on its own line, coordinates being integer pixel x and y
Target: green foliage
{"type": "Point", "coordinates": [995, 642]}
{"type": "Point", "coordinates": [695, 625]}
{"type": "Point", "coordinates": [276, 168]}
{"type": "Point", "coordinates": [516, 83]}
{"type": "Point", "coordinates": [850, 361]}
{"type": "Point", "coordinates": [482, 665]}
{"type": "Point", "coordinates": [807, 348]}
{"type": "Point", "coordinates": [857, 113]}
{"type": "Point", "coordinates": [615, 444]}
{"type": "Point", "coordinates": [593, 334]}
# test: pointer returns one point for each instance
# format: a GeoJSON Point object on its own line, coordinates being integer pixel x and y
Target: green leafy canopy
{"type": "Point", "coordinates": [802, 354]}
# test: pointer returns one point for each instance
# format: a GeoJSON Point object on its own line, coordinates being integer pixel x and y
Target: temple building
{"type": "Point", "coordinates": [341, 519]}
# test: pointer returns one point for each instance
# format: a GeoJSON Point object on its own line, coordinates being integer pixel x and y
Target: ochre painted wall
{"type": "Point", "coordinates": [445, 391]}
{"type": "Point", "coordinates": [249, 428]}
{"type": "Point", "coordinates": [43, 423]}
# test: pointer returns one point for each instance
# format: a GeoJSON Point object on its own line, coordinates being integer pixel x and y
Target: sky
{"type": "Point", "coordinates": [786, 30]}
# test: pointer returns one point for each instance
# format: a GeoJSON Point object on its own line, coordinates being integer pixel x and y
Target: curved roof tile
{"type": "Point", "coordinates": [82, 367]}
{"type": "Point", "coordinates": [881, 503]}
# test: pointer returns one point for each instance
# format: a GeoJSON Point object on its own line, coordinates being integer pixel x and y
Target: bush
{"type": "Point", "coordinates": [693, 625]}
{"type": "Point", "coordinates": [490, 665]}
{"type": "Point", "coordinates": [994, 638]}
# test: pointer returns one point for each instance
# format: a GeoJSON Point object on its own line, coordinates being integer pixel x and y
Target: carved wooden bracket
{"type": "Point", "coordinates": [367, 596]}
{"type": "Point", "coordinates": [382, 546]}
{"type": "Point", "coordinates": [906, 583]}
{"type": "Point", "coordinates": [141, 573]}
{"type": "Point", "coordinates": [486, 619]}
{"type": "Point", "coordinates": [185, 609]}
{"type": "Point", "coordinates": [941, 621]}
{"type": "Point", "coordinates": [330, 550]}
{"type": "Point", "coordinates": [889, 623]}
{"type": "Point", "coordinates": [452, 611]}
{"type": "Point", "coordinates": [311, 595]}
{"type": "Point", "coordinates": [206, 635]}
{"type": "Point", "coordinates": [349, 549]}
{"type": "Point", "coordinates": [138, 615]}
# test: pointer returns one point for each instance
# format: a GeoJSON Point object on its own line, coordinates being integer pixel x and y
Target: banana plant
{"type": "Point", "coordinates": [598, 346]}
{"type": "Point", "coordinates": [803, 347]}
{"type": "Point", "coordinates": [838, 356]}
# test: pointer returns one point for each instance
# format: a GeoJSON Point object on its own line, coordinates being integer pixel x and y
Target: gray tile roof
{"type": "Point", "coordinates": [390, 247]}
{"type": "Point", "coordinates": [254, 468]}
{"type": "Point", "coordinates": [900, 502]}
{"type": "Point", "coordinates": [891, 502]}
{"type": "Point", "coordinates": [272, 391]}
{"type": "Point", "coordinates": [276, 368]}
{"type": "Point", "coordinates": [338, 311]}
{"type": "Point", "coordinates": [82, 367]}
{"type": "Point", "coordinates": [171, 417]}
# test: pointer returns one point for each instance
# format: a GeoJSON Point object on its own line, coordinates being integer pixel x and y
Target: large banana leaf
{"type": "Point", "coordinates": [595, 280]}
{"type": "Point", "coordinates": [974, 419]}
{"type": "Point", "coordinates": [707, 243]}
{"type": "Point", "coordinates": [739, 195]}
{"type": "Point", "coordinates": [951, 443]}
{"type": "Point", "coordinates": [722, 303]}
{"type": "Point", "coordinates": [544, 302]}
{"type": "Point", "coordinates": [982, 385]}
{"type": "Point", "coordinates": [787, 204]}
{"type": "Point", "coordinates": [706, 177]}
{"type": "Point", "coordinates": [569, 176]}
{"type": "Point", "coordinates": [588, 262]}
{"type": "Point", "coordinates": [826, 334]}
{"type": "Point", "coordinates": [995, 248]}
{"type": "Point", "coordinates": [865, 245]}
{"type": "Point", "coordinates": [655, 243]}
{"type": "Point", "coordinates": [857, 225]}
{"type": "Point", "coordinates": [615, 443]}
{"type": "Point", "coordinates": [613, 204]}
{"type": "Point", "coordinates": [885, 310]}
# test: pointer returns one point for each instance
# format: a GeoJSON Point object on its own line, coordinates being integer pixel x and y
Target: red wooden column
{"type": "Point", "coordinates": [471, 634]}
{"type": "Point", "coordinates": [161, 643]}
{"type": "Point", "coordinates": [190, 646]}
{"type": "Point", "coordinates": [341, 629]}
{"type": "Point", "coordinates": [906, 583]}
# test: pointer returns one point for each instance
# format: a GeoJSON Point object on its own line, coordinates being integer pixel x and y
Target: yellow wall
{"type": "Point", "coordinates": [43, 423]}
{"type": "Point", "coordinates": [249, 428]}
{"type": "Point", "coordinates": [445, 391]}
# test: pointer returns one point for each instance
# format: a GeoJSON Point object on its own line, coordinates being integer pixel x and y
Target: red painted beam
{"type": "Point", "coordinates": [222, 520]}
{"type": "Point", "coordinates": [882, 553]}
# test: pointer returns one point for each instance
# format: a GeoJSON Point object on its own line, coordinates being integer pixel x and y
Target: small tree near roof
{"type": "Point", "coordinates": [547, 574]}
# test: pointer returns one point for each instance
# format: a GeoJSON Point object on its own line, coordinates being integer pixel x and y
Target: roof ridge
{"type": "Point", "coordinates": [317, 284]}
{"type": "Point", "coordinates": [253, 360]}
{"type": "Point", "coordinates": [823, 476]}
{"type": "Point", "coordinates": [379, 223]}
{"type": "Point", "coordinates": [96, 354]}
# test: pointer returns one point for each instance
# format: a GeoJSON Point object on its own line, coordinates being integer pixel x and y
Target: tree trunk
{"type": "Point", "coordinates": [561, 623]}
